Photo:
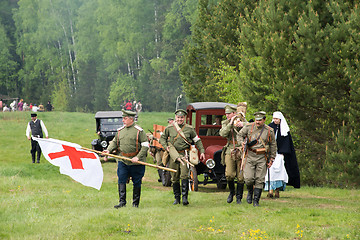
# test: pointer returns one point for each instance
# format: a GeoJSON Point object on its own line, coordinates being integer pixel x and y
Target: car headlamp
{"type": "Point", "coordinates": [210, 163]}
{"type": "Point", "coordinates": [104, 144]}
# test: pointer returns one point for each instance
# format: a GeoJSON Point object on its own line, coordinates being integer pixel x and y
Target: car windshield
{"type": "Point", "coordinates": [110, 124]}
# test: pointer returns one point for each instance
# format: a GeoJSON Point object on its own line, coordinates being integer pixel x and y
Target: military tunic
{"type": "Point", "coordinates": [170, 135]}
{"type": "Point", "coordinates": [232, 168]}
{"type": "Point", "coordinates": [255, 166]}
{"type": "Point", "coordinates": [127, 141]}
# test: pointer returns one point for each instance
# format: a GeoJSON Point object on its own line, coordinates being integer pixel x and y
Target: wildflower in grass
{"type": "Point", "coordinates": [299, 232]}
{"type": "Point", "coordinates": [254, 234]}
{"type": "Point", "coordinates": [127, 230]}
{"type": "Point", "coordinates": [211, 228]}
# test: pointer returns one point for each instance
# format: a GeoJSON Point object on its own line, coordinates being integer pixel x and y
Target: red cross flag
{"type": "Point", "coordinates": [81, 165]}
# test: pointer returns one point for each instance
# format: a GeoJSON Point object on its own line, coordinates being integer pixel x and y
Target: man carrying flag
{"type": "Point", "coordinates": [81, 165]}
{"type": "Point", "coordinates": [130, 141]}
{"type": "Point", "coordinates": [35, 128]}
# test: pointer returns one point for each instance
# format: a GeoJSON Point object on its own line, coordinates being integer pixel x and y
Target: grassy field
{"type": "Point", "coordinates": [37, 202]}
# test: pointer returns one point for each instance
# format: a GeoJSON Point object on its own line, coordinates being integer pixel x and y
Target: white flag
{"type": "Point", "coordinates": [81, 165]}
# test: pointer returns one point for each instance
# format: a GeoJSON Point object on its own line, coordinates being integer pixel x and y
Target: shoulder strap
{"type": "Point", "coordinates": [180, 132]}
{"type": "Point", "coordinates": [252, 127]}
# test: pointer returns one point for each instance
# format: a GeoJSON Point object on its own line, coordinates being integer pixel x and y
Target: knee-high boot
{"type": "Point", "coordinates": [257, 195]}
{"type": "Point", "coordinates": [136, 196]}
{"type": "Point", "coordinates": [185, 191]}
{"type": "Point", "coordinates": [122, 196]}
{"type": "Point", "coordinates": [177, 193]}
{"type": "Point", "coordinates": [239, 192]}
{"type": "Point", "coordinates": [249, 197]}
{"type": "Point", "coordinates": [231, 185]}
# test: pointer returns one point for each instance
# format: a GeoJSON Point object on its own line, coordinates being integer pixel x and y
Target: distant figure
{"type": "Point", "coordinates": [12, 105]}
{"type": "Point", "coordinates": [41, 108]}
{"type": "Point", "coordinates": [36, 127]}
{"type": "Point", "coordinates": [49, 107]}
{"type": "Point", "coordinates": [25, 107]}
{"type": "Point", "coordinates": [128, 106]}
{"type": "Point", "coordinates": [20, 105]}
{"type": "Point", "coordinates": [6, 109]}
{"type": "Point", "coordinates": [35, 108]}
{"type": "Point", "coordinates": [31, 106]}
{"type": "Point", "coordinates": [1, 104]}
{"type": "Point", "coordinates": [138, 107]}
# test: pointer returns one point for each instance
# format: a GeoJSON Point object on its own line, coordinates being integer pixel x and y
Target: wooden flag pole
{"type": "Point", "coordinates": [129, 159]}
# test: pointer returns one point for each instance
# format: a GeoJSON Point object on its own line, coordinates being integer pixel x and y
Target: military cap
{"type": "Point", "coordinates": [170, 119]}
{"type": "Point", "coordinates": [180, 112]}
{"type": "Point", "coordinates": [33, 115]}
{"type": "Point", "coordinates": [230, 109]}
{"type": "Point", "coordinates": [128, 113]}
{"type": "Point", "coordinates": [259, 115]}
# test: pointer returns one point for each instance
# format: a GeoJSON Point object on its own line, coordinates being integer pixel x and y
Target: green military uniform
{"type": "Point", "coordinates": [157, 154]}
{"type": "Point", "coordinates": [172, 137]}
{"type": "Point", "coordinates": [255, 167]}
{"type": "Point", "coordinates": [130, 142]}
{"type": "Point", "coordinates": [232, 166]}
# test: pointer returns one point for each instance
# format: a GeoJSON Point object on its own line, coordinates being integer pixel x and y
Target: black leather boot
{"type": "Point", "coordinates": [160, 172]}
{"type": "Point", "coordinates": [136, 196]}
{"type": "Point", "coordinates": [231, 185]}
{"type": "Point", "coordinates": [257, 195]}
{"type": "Point", "coordinates": [239, 192]}
{"type": "Point", "coordinates": [185, 191]}
{"type": "Point", "coordinates": [177, 193]}
{"type": "Point", "coordinates": [122, 196]}
{"type": "Point", "coordinates": [249, 197]}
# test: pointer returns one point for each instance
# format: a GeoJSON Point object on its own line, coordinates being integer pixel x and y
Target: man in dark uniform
{"type": "Point", "coordinates": [35, 128]}
{"type": "Point", "coordinates": [229, 129]}
{"type": "Point", "coordinates": [177, 139]}
{"type": "Point", "coordinates": [131, 142]}
{"type": "Point", "coordinates": [261, 152]}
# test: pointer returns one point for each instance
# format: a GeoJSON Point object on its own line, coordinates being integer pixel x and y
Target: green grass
{"type": "Point", "coordinates": [37, 202]}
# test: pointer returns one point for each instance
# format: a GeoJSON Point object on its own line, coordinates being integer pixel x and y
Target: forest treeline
{"type": "Point", "coordinates": [299, 57]}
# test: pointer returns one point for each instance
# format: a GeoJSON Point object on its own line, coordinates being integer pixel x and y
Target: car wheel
{"type": "Point", "coordinates": [221, 185]}
{"type": "Point", "coordinates": [194, 182]}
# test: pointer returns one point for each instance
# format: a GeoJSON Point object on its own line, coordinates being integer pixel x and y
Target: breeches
{"type": "Point", "coordinates": [255, 170]}
{"type": "Point", "coordinates": [158, 158]}
{"type": "Point", "coordinates": [232, 169]}
{"type": "Point", "coordinates": [136, 172]}
{"type": "Point", "coordinates": [182, 170]}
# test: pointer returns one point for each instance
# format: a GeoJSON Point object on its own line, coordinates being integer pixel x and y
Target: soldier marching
{"type": "Point", "coordinates": [132, 142]}
{"type": "Point", "coordinates": [229, 130]}
{"type": "Point", "coordinates": [261, 145]}
{"type": "Point", "coordinates": [177, 139]}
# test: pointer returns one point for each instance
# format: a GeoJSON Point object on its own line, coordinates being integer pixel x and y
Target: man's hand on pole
{"type": "Point", "coordinates": [107, 152]}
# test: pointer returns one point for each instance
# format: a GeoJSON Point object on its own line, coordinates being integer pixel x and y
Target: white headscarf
{"type": "Point", "coordinates": [284, 127]}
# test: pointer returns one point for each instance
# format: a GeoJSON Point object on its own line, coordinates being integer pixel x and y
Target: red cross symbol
{"type": "Point", "coordinates": [74, 156]}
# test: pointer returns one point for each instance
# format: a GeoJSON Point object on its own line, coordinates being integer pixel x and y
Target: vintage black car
{"type": "Point", "coordinates": [204, 117]}
{"type": "Point", "coordinates": [107, 123]}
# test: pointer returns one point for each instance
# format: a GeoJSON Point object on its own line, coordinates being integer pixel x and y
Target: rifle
{"type": "Point", "coordinates": [243, 157]}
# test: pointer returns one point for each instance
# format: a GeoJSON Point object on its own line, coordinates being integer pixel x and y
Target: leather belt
{"type": "Point", "coordinates": [254, 151]}
{"type": "Point", "coordinates": [129, 154]}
